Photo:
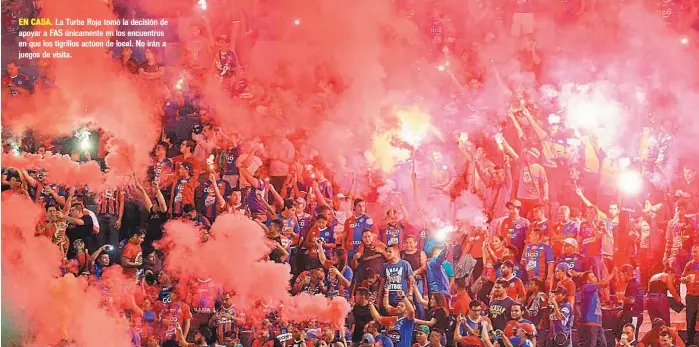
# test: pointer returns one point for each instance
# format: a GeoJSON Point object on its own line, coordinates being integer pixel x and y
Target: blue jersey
{"type": "Point", "coordinates": [326, 189]}
{"type": "Point", "coordinates": [400, 331]}
{"type": "Point", "coordinates": [397, 278]}
{"type": "Point", "coordinates": [592, 309]}
{"type": "Point", "coordinates": [437, 279]}
{"type": "Point", "coordinates": [304, 223]}
{"type": "Point", "coordinates": [634, 290]}
{"type": "Point", "coordinates": [383, 341]}
{"type": "Point", "coordinates": [564, 325]}
{"type": "Point", "coordinates": [577, 263]}
{"type": "Point", "coordinates": [287, 224]}
{"type": "Point", "coordinates": [20, 81]}
{"type": "Point", "coordinates": [41, 194]}
{"type": "Point", "coordinates": [519, 271]}
{"type": "Point", "coordinates": [328, 236]}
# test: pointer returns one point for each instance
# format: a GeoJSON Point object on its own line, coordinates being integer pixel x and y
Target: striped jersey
{"type": "Point", "coordinates": [393, 234]}
{"type": "Point", "coordinates": [225, 324]}
{"type": "Point", "coordinates": [210, 202]}
{"type": "Point", "coordinates": [109, 200]}
{"type": "Point", "coordinates": [162, 171]}
{"type": "Point", "coordinates": [183, 194]}
{"type": "Point", "coordinates": [536, 259]}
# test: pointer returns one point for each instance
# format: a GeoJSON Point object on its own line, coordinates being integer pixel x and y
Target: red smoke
{"type": "Point", "coordinates": [48, 308]}
{"type": "Point", "coordinates": [232, 258]}
{"type": "Point", "coordinates": [62, 169]}
{"type": "Point", "coordinates": [90, 89]}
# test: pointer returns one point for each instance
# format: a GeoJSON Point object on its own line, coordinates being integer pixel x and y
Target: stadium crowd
{"type": "Point", "coordinates": [568, 256]}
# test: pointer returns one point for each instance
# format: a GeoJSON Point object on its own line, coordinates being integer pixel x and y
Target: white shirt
{"type": "Point", "coordinates": [95, 222]}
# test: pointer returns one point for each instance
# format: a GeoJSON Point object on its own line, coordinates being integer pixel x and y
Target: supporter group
{"type": "Point", "coordinates": [536, 234]}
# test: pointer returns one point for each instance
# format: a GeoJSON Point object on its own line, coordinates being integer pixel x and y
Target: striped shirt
{"type": "Point", "coordinates": [109, 201]}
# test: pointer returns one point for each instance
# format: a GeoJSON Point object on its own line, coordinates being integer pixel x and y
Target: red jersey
{"type": "Point", "coordinates": [546, 228]}
{"type": "Point", "coordinates": [461, 304]}
{"type": "Point", "coordinates": [203, 294]}
{"type": "Point", "coordinates": [183, 194]}
{"type": "Point", "coordinates": [515, 288]}
{"type": "Point", "coordinates": [309, 242]}
{"type": "Point", "coordinates": [196, 165]}
{"type": "Point", "coordinates": [170, 316]}
{"type": "Point", "coordinates": [134, 253]}
{"type": "Point", "coordinates": [57, 233]}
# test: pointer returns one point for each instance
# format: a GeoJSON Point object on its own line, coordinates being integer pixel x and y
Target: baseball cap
{"type": "Point", "coordinates": [368, 338]}
{"type": "Point", "coordinates": [561, 290]}
{"type": "Point", "coordinates": [571, 241]}
{"type": "Point", "coordinates": [515, 203]}
{"type": "Point", "coordinates": [301, 201]}
{"type": "Point", "coordinates": [534, 152]}
{"type": "Point", "coordinates": [563, 266]}
{"type": "Point", "coordinates": [423, 329]}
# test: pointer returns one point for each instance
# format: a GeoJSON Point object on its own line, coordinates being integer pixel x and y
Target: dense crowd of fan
{"type": "Point", "coordinates": [566, 256]}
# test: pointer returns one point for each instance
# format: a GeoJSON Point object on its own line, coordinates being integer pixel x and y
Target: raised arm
{"type": "Point", "coordinates": [540, 132]}
{"type": "Point", "coordinates": [605, 282]}
{"type": "Point", "coordinates": [147, 203]}
{"type": "Point", "coordinates": [244, 172]}
{"type": "Point", "coordinates": [318, 194]}
{"type": "Point", "coordinates": [121, 195]}
{"type": "Point", "coordinates": [509, 150]}
{"type": "Point", "coordinates": [515, 122]}
{"type": "Point", "coordinates": [23, 173]}
{"type": "Point", "coordinates": [404, 211]}
{"type": "Point", "coordinates": [277, 198]}
{"type": "Point", "coordinates": [588, 203]}
{"type": "Point", "coordinates": [219, 198]}
{"type": "Point", "coordinates": [423, 264]}
{"type": "Point", "coordinates": [96, 253]}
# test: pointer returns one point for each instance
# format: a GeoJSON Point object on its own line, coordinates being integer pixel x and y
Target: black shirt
{"type": "Point", "coordinates": [80, 231]}
{"type": "Point", "coordinates": [371, 259]}
{"type": "Point", "coordinates": [156, 220]}
{"type": "Point", "coordinates": [500, 312]}
{"type": "Point", "coordinates": [276, 254]}
{"type": "Point", "coordinates": [440, 316]}
{"type": "Point", "coordinates": [362, 315]}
